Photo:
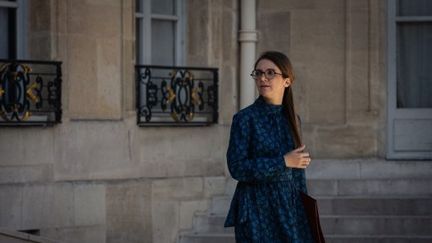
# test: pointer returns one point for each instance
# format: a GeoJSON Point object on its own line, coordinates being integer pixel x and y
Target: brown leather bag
{"type": "Point", "coordinates": [311, 208]}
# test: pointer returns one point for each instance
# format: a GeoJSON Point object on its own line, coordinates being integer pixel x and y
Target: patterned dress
{"type": "Point", "coordinates": [266, 206]}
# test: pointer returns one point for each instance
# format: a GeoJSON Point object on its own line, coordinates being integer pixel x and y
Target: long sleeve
{"type": "Point", "coordinates": [299, 174]}
{"type": "Point", "coordinates": [241, 165]}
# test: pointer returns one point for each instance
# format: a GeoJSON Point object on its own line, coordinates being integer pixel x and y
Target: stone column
{"type": "Point", "coordinates": [248, 39]}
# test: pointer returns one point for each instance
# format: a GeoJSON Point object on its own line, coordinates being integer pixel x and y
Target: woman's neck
{"type": "Point", "coordinates": [273, 101]}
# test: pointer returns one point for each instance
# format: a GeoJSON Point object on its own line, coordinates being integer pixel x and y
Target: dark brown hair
{"type": "Point", "coordinates": [284, 64]}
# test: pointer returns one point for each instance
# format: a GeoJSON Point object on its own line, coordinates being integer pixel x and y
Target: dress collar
{"type": "Point", "coordinates": [268, 108]}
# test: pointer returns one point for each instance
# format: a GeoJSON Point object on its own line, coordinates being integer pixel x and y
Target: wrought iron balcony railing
{"type": "Point", "coordinates": [30, 92]}
{"type": "Point", "coordinates": [173, 96]}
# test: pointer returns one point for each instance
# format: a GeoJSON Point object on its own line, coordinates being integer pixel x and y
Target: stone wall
{"type": "Point", "coordinates": [70, 212]}
{"type": "Point", "coordinates": [98, 177]}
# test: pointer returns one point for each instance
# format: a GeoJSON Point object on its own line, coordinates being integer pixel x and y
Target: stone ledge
{"type": "Point", "coordinates": [22, 237]}
{"type": "Point", "coordinates": [370, 168]}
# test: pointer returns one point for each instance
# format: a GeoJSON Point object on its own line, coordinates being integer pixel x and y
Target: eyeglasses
{"type": "Point", "coordinates": [269, 74]}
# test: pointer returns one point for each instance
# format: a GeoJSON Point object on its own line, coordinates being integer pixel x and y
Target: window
{"type": "Point", "coordinates": [12, 23]}
{"type": "Point", "coordinates": [414, 53]}
{"type": "Point", "coordinates": [409, 73]}
{"type": "Point", "coordinates": [159, 32]}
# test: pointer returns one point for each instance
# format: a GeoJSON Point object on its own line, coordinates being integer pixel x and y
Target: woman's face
{"type": "Point", "coordinates": [271, 88]}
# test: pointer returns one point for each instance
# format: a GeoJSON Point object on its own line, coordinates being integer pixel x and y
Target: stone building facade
{"type": "Point", "coordinates": [98, 177]}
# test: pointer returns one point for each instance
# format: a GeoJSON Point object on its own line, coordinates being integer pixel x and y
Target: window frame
{"type": "Point", "coordinates": [395, 113]}
{"type": "Point", "coordinates": [20, 35]}
{"type": "Point", "coordinates": [144, 38]}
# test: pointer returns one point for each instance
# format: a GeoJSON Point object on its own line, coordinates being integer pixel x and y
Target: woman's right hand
{"type": "Point", "coordinates": [297, 158]}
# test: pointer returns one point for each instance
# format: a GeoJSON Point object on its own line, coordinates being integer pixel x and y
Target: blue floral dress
{"type": "Point", "coordinates": [266, 206]}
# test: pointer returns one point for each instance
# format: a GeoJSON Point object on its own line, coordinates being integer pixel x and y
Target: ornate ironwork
{"type": "Point", "coordinates": [176, 95]}
{"type": "Point", "coordinates": [30, 92]}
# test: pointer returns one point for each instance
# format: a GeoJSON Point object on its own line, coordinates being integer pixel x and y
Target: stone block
{"type": "Point", "coordinates": [322, 187]}
{"type": "Point", "coordinates": [41, 44]}
{"type": "Point", "coordinates": [206, 238]}
{"type": "Point", "coordinates": [94, 76]}
{"type": "Point", "coordinates": [108, 82]}
{"type": "Point", "coordinates": [37, 206]}
{"type": "Point", "coordinates": [94, 59]}
{"type": "Point", "coordinates": [376, 225]}
{"type": "Point", "coordinates": [385, 187]}
{"type": "Point", "coordinates": [82, 75]}
{"type": "Point", "coordinates": [396, 169]}
{"type": "Point", "coordinates": [230, 186]}
{"type": "Point", "coordinates": [188, 210]}
{"type": "Point", "coordinates": [211, 224]}
{"type": "Point", "coordinates": [62, 17]}
{"type": "Point", "coordinates": [332, 169]}
{"type": "Point", "coordinates": [198, 34]}
{"type": "Point", "coordinates": [173, 152]}
{"type": "Point", "coordinates": [129, 212]}
{"type": "Point", "coordinates": [227, 96]}
{"type": "Point", "coordinates": [11, 199]}
{"type": "Point", "coordinates": [358, 78]}
{"type": "Point", "coordinates": [31, 146]}
{"type": "Point", "coordinates": [317, 48]}
{"type": "Point", "coordinates": [165, 221]}
{"type": "Point", "coordinates": [41, 28]}
{"type": "Point", "coordinates": [220, 205]}
{"type": "Point", "coordinates": [86, 234]}
{"type": "Point", "coordinates": [178, 188]}
{"type": "Point", "coordinates": [40, 22]}
{"type": "Point", "coordinates": [89, 204]}
{"type": "Point", "coordinates": [215, 26]}
{"type": "Point", "coordinates": [361, 206]}
{"type": "Point", "coordinates": [229, 35]}
{"type": "Point", "coordinates": [24, 174]}
{"type": "Point", "coordinates": [93, 150]}
{"type": "Point", "coordinates": [371, 168]}
{"type": "Point", "coordinates": [214, 186]}
{"type": "Point", "coordinates": [268, 25]}
{"type": "Point", "coordinates": [63, 208]}
{"type": "Point", "coordinates": [94, 18]}
{"type": "Point", "coordinates": [51, 206]}
{"type": "Point", "coordinates": [345, 142]}
{"type": "Point", "coordinates": [47, 206]}
{"type": "Point", "coordinates": [364, 84]}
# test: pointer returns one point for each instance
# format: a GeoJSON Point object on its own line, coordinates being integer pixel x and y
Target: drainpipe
{"type": "Point", "coordinates": [248, 39]}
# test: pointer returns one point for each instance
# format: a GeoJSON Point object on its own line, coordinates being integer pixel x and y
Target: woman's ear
{"type": "Point", "coordinates": [287, 82]}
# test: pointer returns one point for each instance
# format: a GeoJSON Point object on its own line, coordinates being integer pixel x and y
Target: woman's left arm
{"type": "Point", "coordinates": [299, 174]}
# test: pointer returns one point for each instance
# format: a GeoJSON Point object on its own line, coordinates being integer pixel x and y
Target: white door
{"type": "Point", "coordinates": [409, 79]}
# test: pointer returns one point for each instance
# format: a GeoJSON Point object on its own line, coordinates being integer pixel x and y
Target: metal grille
{"type": "Point", "coordinates": [30, 92]}
{"type": "Point", "coordinates": [176, 96]}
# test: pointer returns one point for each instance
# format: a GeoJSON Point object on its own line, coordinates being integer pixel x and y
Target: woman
{"type": "Point", "coordinates": [265, 155]}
